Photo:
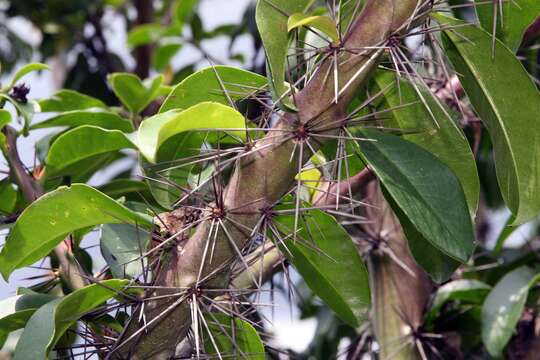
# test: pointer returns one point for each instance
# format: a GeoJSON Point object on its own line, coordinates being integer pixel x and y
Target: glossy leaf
{"type": "Point", "coordinates": [81, 143]}
{"type": "Point", "coordinates": [204, 85]}
{"type": "Point", "coordinates": [516, 18]}
{"type": "Point", "coordinates": [503, 307]}
{"type": "Point", "coordinates": [328, 260]}
{"type": "Point", "coordinates": [122, 246]}
{"type": "Point", "coordinates": [465, 290]}
{"type": "Point", "coordinates": [272, 17]}
{"type": "Point", "coordinates": [69, 100]}
{"type": "Point", "coordinates": [95, 117]}
{"type": "Point", "coordinates": [508, 104]}
{"type": "Point", "coordinates": [425, 189]}
{"type": "Point", "coordinates": [16, 310]}
{"type": "Point", "coordinates": [52, 320]}
{"type": "Point", "coordinates": [134, 93]}
{"type": "Point", "coordinates": [444, 139]}
{"type": "Point", "coordinates": [320, 22]}
{"type": "Point", "coordinates": [189, 128]}
{"type": "Point", "coordinates": [46, 222]}
{"type": "Point", "coordinates": [232, 338]}
{"type": "Point", "coordinates": [25, 70]}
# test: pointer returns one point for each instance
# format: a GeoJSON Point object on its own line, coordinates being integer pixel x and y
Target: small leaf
{"type": "Point", "coordinates": [8, 197]}
{"type": "Point", "coordinates": [134, 93]}
{"type": "Point", "coordinates": [144, 34]}
{"type": "Point", "coordinates": [503, 308]}
{"type": "Point", "coordinates": [232, 338]}
{"type": "Point", "coordinates": [189, 128]}
{"type": "Point", "coordinates": [162, 55]}
{"type": "Point", "coordinates": [16, 310]}
{"type": "Point", "coordinates": [123, 246]}
{"type": "Point", "coordinates": [443, 139]}
{"type": "Point", "coordinates": [425, 189]}
{"type": "Point", "coordinates": [465, 290]}
{"type": "Point", "coordinates": [182, 10]}
{"type": "Point", "coordinates": [81, 143]}
{"type": "Point", "coordinates": [48, 220]}
{"type": "Point", "coordinates": [95, 117]}
{"type": "Point", "coordinates": [508, 105]}
{"type": "Point", "coordinates": [319, 22]}
{"type": "Point", "coordinates": [5, 118]}
{"type": "Point", "coordinates": [204, 85]}
{"type": "Point", "coordinates": [516, 18]}
{"type": "Point", "coordinates": [69, 100]}
{"type": "Point", "coordinates": [329, 263]}
{"type": "Point", "coordinates": [272, 17]}
{"type": "Point", "coordinates": [52, 320]}
{"type": "Point", "coordinates": [127, 188]}
{"type": "Point", "coordinates": [26, 69]}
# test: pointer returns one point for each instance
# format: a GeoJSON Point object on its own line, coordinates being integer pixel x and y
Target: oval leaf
{"type": "Point", "coordinates": [503, 307]}
{"type": "Point", "coordinates": [508, 105]}
{"type": "Point", "coordinates": [425, 189]}
{"type": "Point", "coordinates": [26, 69]}
{"type": "Point", "coordinates": [216, 84]}
{"type": "Point", "coordinates": [69, 100]}
{"type": "Point", "coordinates": [329, 263]}
{"type": "Point", "coordinates": [95, 117]}
{"type": "Point", "coordinates": [52, 320]}
{"type": "Point", "coordinates": [46, 222]}
{"type": "Point", "coordinates": [134, 93]}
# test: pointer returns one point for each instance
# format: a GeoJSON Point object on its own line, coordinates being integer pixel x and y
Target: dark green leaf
{"type": "Point", "coordinates": [46, 222]}
{"type": "Point", "coordinates": [328, 260]}
{"type": "Point", "coordinates": [103, 119]}
{"type": "Point", "coordinates": [425, 189]}
{"type": "Point", "coordinates": [508, 104]}
{"type": "Point", "coordinates": [162, 55]}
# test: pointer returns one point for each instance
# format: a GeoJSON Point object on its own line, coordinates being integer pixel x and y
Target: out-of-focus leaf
{"type": "Point", "coordinates": [82, 143]}
{"type": "Point", "coordinates": [425, 189]}
{"type": "Point", "coordinates": [26, 69]}
{"type": "Point", "coordinates": [204, 85]}
{"type": "Point", "coordinates": [508, 105]}
{"type": "Point", "coordinates": [272, 17]}
{"type": "Point", "coordinates": [320, 22]}
{"type": "Point", "coordinates": [232, 338]}
{"type": "Point", "coordinates": [466, 290]}
{"type": "Point", "coordinates": [52, 320]}
{"type": "Point", "coordinates": [69, 100]}
{"type": "Point", "coordinates": [126, 188]}
{"type": "Point", "coordinates": [326, 257]}
{"type": "Point", "coordinates": [162, 55]}
{"type": "Point", "coordinates": [444, 139]}
{"type": "Point", "coordinates": [516, 18]}
{"type": "Point", "coordinates": [134, 93]}
{"type": "Point", "coordinates": [503, 307]}
{"type": "Point", "coordinates": [144, 34]}
{"type": "Point", "coordinates": [5, 118]}
{"type": "Point", "coordinates": [95, 117]}
{"type": "Point", "coordinates": [16, 310]}
{"type": "Point", "coordinates": [182, 10]}
{"type": "Point", "coordinates": [8, 197]}
{"type": "Point", "coordinates": [123, 246]}
{"type": "Point", "coordinates": [47, 221]}
{"type": "Point", "coordinates": [189, 128]}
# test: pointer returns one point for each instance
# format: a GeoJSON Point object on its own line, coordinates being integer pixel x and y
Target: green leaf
{"type": "Point", "coordinates": [320, 22]}
{"type": "Point", "coordinates": [69, 100]}
{"type": "Point", "coordinates": [26, 69]}
{"type": "Point", "coordinates": [204, 85]}
{"type": "Point", "coordinates": [95, 117]}
{"type": "Point", "coordinates": [8, 197]}
{"type": "Point", "coordinates": [144, 34]}
{"type": "Point", "coordinates": [232, 338]}
{"type": "Point", "coordinates": [122, 246]}
{"type": "Point", "coordinates": [125, 187]}
{"type": "Point", "coordinates": [82, 143]}
{"type": "Point", "coordinates": [425, 189]}
{"type": "Point", "coordinates": [507, 104]}
{"type": "Point", "coordinates": [182, 11]}
{"type": "Point", "coordinates": [134, 93]}
{"type": "Point", "coordinates": [503, 307]}
{"type": "Point", "coordinates": [328, 260]}
{"type": "Point", "coordinates": [443, 139]}
{"type": "Point", "coordinates": [188, 129]}
{"type": "Point", "coordinates": [516, 18]}
{"type": "Point", "coordinates": [162, 55]}
{"type": "Point", "coordinates": [5, 118]}
{"type": "Point", "coordinates": [52, 320]}
{"type": "Point", "coordinates": [16, 310]}
{"type": "Point", "coordinates": [48, 220]}
{"type": "Point", "coordinates": [465, 290]}
{"type": "Point", "coordinates": [272, 17]}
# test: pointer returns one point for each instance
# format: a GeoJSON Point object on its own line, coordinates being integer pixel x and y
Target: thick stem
{"type": "Point", "coordinates": [266, 175]}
